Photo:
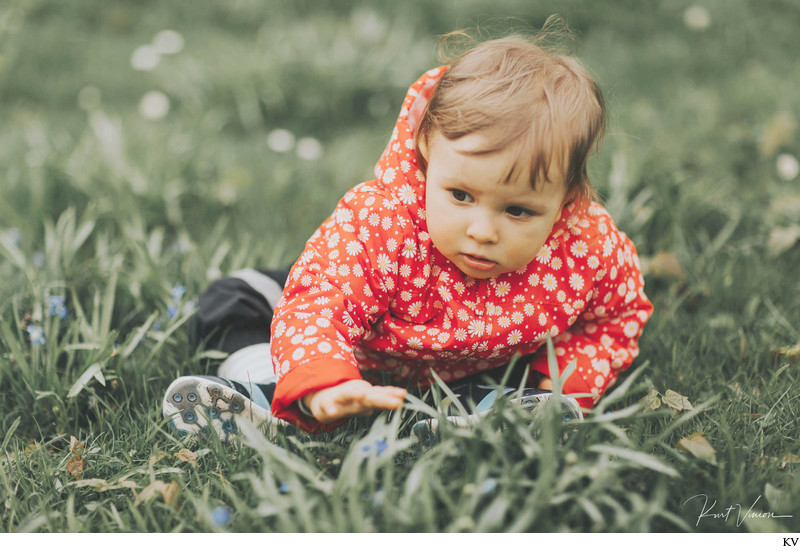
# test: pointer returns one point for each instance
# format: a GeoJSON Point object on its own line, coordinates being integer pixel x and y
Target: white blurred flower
{"type": "Point", "coordinates": [309, 149]}
{"type": "Point", "coordinates": [154, 106]}
{"type": "Point", "coordinates": [788, 167]}
{"type": "Point", "coordinates": [280, 140]}
{"type": "Point", "coordinates": [168, 42]}
{"type": "Point", "coordinates": [89, 98]}
{"type": "Point", "coordinates": [145, 58]}
{"type": "Point", "coordinates": [697, 18]}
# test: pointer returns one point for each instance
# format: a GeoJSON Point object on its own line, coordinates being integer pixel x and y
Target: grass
{"type": "Point", "coordinates": [111, 225]}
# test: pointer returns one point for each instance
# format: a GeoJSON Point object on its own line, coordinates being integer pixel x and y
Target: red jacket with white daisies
{"type": "Point", "coordinates": [372, 298]}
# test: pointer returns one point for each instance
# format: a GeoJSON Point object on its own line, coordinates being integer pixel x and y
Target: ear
{"type": "Point", "coordinates": [422, 147]}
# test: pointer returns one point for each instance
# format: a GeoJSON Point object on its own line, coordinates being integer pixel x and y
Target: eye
{"type": "Point", "coordinates": [460, 196]}
{"type": "Point", "coordinates": [519, 212]}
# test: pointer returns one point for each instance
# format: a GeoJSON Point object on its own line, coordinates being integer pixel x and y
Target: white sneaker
{"type": "Point", "coordinates": [532, 399]}
{"type": "Point", "coordinates": [196, 402]}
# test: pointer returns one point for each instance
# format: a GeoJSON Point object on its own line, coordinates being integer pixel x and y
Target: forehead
{"type": "Point", "coordinates": [510, 162]}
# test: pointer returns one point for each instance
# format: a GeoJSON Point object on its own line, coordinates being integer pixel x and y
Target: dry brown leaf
{"type": "Point", "coordinates": [782, 239]}
{"type": "Point", "coordinates": [187, 456]}
{"type": "Point", "coordinates": [777, 132]}
{"type": "Point", "coordinates": [167, 492]}
{"type": "Point", "coordinates": [650, 401]}
{"type": "Point", "coordinates": [75, 467]}
{"type": "Point", "coordinates": [158, 456]}
{"type": "Point", "coordinates": [91, 482]}
{"type": "Point", "coordinates": [75, 447]}
{"type": "Point", "coordinates": [676, 401]}
{"type": "Point", "coordinates": [790, 353]}
{"type": "Point", "coordinates": [663, 264]}
{"type": "Point", "coordinates": [696, 445]}
{"type": "Point", "coordinates": [787, 459]}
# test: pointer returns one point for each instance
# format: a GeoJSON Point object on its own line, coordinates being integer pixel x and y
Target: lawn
{"type": "Point", "coordinates": [147, 148]}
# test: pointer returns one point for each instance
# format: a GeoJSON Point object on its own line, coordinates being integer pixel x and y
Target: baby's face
{"type": "Point", "coordinates": [483, 224]}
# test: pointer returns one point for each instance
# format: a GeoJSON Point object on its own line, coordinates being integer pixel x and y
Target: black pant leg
{"type": "Point", "coordinates": [233, 315]}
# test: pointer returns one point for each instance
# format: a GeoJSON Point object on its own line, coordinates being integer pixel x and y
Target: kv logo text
{"type": "Point", "coordinates": [790, 542]}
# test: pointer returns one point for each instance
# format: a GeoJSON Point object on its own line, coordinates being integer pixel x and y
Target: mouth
{"type": "Point", "coordinates": [478, 263]}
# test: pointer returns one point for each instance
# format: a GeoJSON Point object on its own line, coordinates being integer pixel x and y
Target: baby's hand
{"type": "Point", "coordinates": [352, 398]}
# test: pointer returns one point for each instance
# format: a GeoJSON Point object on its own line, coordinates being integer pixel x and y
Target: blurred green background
{"type": "Point", "coordinates": [149, 147]}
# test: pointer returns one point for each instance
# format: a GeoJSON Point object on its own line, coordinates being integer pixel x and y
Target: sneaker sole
{"type": "Point", "coordinates": [194, 405]}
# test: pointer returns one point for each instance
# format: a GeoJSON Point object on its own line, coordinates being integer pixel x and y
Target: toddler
{"type": "Point", "coordinates": [478, 240]}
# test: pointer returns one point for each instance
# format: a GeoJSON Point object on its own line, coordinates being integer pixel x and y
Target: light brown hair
{"type": "Point", "coordinates": [544, 104]}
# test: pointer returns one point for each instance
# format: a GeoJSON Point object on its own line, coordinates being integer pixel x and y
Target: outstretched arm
{"type": "Point", "coordinates": [352, 398]}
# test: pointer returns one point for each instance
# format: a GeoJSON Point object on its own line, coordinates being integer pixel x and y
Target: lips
{"type": "Point", "coordinates": [478, 263]}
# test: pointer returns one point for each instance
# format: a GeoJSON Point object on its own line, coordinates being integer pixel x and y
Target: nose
{"type": "Point", "coordinates": [482, 228]}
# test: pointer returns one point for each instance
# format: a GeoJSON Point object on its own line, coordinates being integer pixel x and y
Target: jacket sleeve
{"type": "Point", "coordinates": [604, 339]}
{"type": "Point", "coordinates": [342, 283]}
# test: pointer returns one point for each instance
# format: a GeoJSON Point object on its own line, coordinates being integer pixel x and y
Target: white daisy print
{"type": "Point", "coordinates": [502, 288]}
{"type": "Point", "coordinates": [476, 328]}
{"type": "Point", "coordinates": [409, 248]}
{"type": "Point", "coordinates": [514, 337]}
{"type": "Point", "coordinates": [549, 282]}
{"type": "Point", "coordinates": [631, 329]}
{"type": "Point", "coordinates": [544, 254]}
{"type": "Point", "coordinates": [576, 282]}
{"type": "Point", "coordinates": [388, 175]}
{"type": "Point", "coordinates": [579, 249]}
{"type": "Point", "coordinates": [353, 247]}
{"type": "Point", "coordinates": [384, 263]}
{"type": "Point", "coordinates": [407, 195]}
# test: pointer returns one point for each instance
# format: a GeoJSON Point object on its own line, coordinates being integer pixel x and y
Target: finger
{"type": "Point", "coordinates": [385, 398]}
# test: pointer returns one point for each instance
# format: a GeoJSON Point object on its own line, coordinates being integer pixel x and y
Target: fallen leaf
{"type": "Point", "coordinates": [158, 456]}
{"type": "Point", "coordinates": [790, 353]}
{"type": "Point", "coordinates": [75, 467]}
{"type": "Point", "coordinates": [782, 239]}
{"type": "Point", "coordinates": [663, 264]}
{"type": "Point", "coordinates": [777, 132]}
{"type": "Point", "coordinates": [696, 445]}
{"type": "Point", "coordinates": [75, 446]}
{"type": "Point", "coordinates": [156, 488]}
{"type": "Point", "coordinates": [650, 401]}
{"type": "Point", "coordinates": [677, 401]}
{"type": "Point", "coordinates": [787, 459]}
{"type": "Point", "coordinates": [187, 456]}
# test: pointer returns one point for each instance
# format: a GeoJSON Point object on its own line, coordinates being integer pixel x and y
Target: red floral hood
{"type": "Point", "coordinates": [398, 170]}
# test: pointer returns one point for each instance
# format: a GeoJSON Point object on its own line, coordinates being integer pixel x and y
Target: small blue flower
{"type": "Point", "coordinates": [57, 307]}
{"type": "Point", "coordinates": [38, 259]}
{"type": "Point", "coordinates": [37, 335]}
{"type": "Point", "coordinates": [284, 488]}
{"type": "Point", "coordinates": [489, 485]}
{"type": "Point", "coordinates": [14, 235]}
{"type": "Point", "coordinates": [172, 311]}
{"type": "Point", "coordinates": [177, 292]}
{"type": "Point", "coordinates": [221, 516]}
{"type": "Point", "coordinates": [380, 447]}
